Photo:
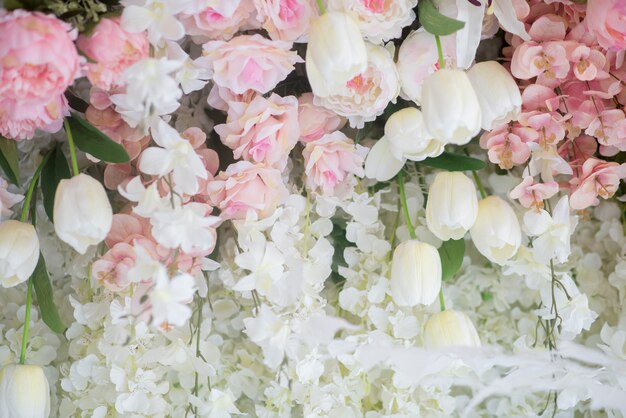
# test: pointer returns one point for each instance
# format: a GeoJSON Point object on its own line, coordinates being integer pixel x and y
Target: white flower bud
{"type": "Point", "coordinates": [496, 232]}
{"type": "Point", "coordinates": [24, 392]}
{"type": "Point", "coordinates": [408, 137]}
{"type": "Point", "coordinates": [450, 107]}
{"type": "Point", "coordinates": [450, 328]}
{"type": "Point", "coordinates": [499, 97]}
{"type": "Point", "coordinates": [452, 205]}
{"type": "Point", "coordinates": [82, 212]}
{"type": "Point", "coordinates": [19, 252]}
{"type": "Point", "coordinates": [415, 274]}
{"type": "Point", "coordinates": [335, 53]}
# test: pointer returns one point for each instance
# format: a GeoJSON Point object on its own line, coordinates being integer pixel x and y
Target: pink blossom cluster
{"type": "Point", "coordinates": [571, 76]}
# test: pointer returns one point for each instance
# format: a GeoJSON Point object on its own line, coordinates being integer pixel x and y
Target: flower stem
{"type": "Point", "coordinates": [31, 187]}
{"type": "Point", "coordinates": [442, 63]}
{"type": "Point", "coordinates": [320, 5]}
{"type": "Point", "coordinates": [442, 303]}
{"type": "Point", "coordinates": [29, 303]}
{"type": "Point", "coordinates": [481, 189]}
{"type": "Point", "coordinates": [70, 141]}
{"type": "Point", "coordinates": [405, 208]}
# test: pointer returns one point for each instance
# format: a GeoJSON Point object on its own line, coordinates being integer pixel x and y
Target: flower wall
{"type": "Point", "coordinates": [311, 208]}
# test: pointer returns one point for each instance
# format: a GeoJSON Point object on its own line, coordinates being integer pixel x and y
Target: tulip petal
{"type": "Point", "coordinates": [380, 163]}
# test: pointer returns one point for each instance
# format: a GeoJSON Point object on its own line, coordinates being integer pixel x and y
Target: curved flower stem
{"type": "Point", "coordinates": [320, 5]}
{"type": "Point", "coordinates": [70, 141]}
{"type": "Point", "coordinates": [442, 63]}
{"type": "Point", "coordinates": [405, 208]}
{"type": "Point", "coordinates": [481, 189]}
{"type": "Point", "coordinates": [29, 303]}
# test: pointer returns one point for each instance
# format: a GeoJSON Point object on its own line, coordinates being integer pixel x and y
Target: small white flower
{"type": "Point", "coordinates": [170, 299]}
{"type": "Point", "coordinates": [155, 16]}
{"type": "Point", "coordinates": [188, 227]}
{"type": "Point", "coordinates": [191, 76]}
{"type": "Point", "coordinates": [221, 404]}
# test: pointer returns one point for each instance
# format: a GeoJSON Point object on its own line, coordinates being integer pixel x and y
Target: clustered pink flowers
{"type": "Point", "coordinates": [572, 79]}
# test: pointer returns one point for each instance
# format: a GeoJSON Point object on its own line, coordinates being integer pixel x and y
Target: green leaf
{"type": "Point", "coordinates": [45, 298]}
{"type": "Point", "coordinates": [434, 22]}
{"type": "Point", "coordinates": [9, 160]}
{"type": "Point", "coordinates": [91, 140]}
{"type": "Point", "coordinates": [454, 162]}
{"type": "Point", "coordinates": [451, 253]}
{"type": "Point", "coordinates": [55, 170]}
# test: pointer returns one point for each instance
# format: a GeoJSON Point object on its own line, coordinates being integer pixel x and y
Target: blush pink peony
{"type": "Point", "coordinates": [249, 62]}
{"type": "Point", "coordinates": [38, 61]}
{"type": "Point", "coordinates": [316, 121]}
{"type": "Point", "coordinates": [606, 20]}
{"type": "Point", "coordinates": [247, 189]}
{"type": "Point", "coordinates": [262, 131]}
{"type": "Point", "coordinates": [112, 50]}
{"type": "Point", "coordinates": [220, 21]}
{"type": "Point", "coordinates": [287, 20]}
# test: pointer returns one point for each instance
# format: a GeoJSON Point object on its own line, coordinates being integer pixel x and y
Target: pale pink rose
{"type": "Point", "coordinates": [287, 20]}
{"type": "Point", "coordinates": [330, 161]}
{"type": "Point", "coordinates": [38, 61]}
{"type": "Point", "coordinates": [249, 62]}
{"type": "Point", "coordinates": [221, 97]}
{"type": "Point", "coordinates": [598, 178]}
{"type": "Point", "coordinates": [20, 120]}
{"type": "Point", "coordinates": [111, 270]}
{"type": "Point", "coordinates": [221, 21]}
{"type": "Point", "coordinates": [507, 144]}
{"type": "Point", "coordinates": [605, 18]}
{"type": "Point", "coordinates": [7, 199]}
{"type": "Point", "coordinates": [262, 131]}
{"type": "Point", "coordinates": [532, 194]}
{"type": "Point", "coordinates": [316, 121]}
{"type": "Point", "coordinates": [365, 97]}
{"type": "Point", "coordinates": [111, 50]}
{"type": "Point", "coordinates": [246, 188]}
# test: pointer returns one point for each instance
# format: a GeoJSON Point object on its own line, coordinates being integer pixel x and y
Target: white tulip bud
{"type": "Point", "coordinates": [408, 137]}
{"type": "Point", "coordinates": [450, 328]}
{"type": "Point", "coordinates": [415, 274]}
{"type": "Point", "coordinates": [452, 205]}
{"type": "Point", "coordinates": [380, 163]}
{"type": "Point", "coordinates": [24, 392]}
{"type": "Point", "coordinates": [450, 107]}
{"type": "Point", "coordinates": [19, 252]}
{"type": "Point", "coordinates": [82, 212]}
{"type": "Point", "coordinates": [499, 97]}
{"type": "Point", "coordinates": [335, 53]}
{"type": "Point", "coordinates": [496, 232]}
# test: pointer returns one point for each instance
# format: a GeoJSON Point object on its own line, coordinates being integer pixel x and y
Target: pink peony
{"type": "Point", "coordinates": [286, 20]}
{"type": "Point", "coordinates": [606, 19]}
{"type": "Point", "coordinates": [221, 21]}
{"type": "Point", "coordinates": [316, 121]}
{"type": "Point", "coordinates": [247, 189]}
{"type": "Point", "coordinates": [330, 161]}
{"type": "Point", "coordinates": [113, 50]}
{"type": "Point", "coordinates": [249, 62]}
{"type": "Point", "coordinates": [38, 61]}
{"type": "Point", "coordinates": [262, 131]}
{"type": "Point", "coordinates": [598, 178]}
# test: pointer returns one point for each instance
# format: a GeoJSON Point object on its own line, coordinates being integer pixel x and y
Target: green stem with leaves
{"type": "Point", "coordinates": [442, 63]}
{"type": "Point", "coordinates": [70, 141]}
{"type": "Point", "coordinates": [29, 291]}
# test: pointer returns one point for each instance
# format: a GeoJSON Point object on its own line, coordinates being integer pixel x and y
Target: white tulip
{"type": "Point", "coordinates": [82, 212]}
{"type": "Point", "coordinates": [335, 53]}
{"type": "Point", "coordinates": [496, 232]}
{"type": "Point", "coordinates": [450, 328]}
{"type": "Point", "coordinates": [380, 163]}
{"type": "Point", "coordinates": [452, 205]}
{"type": "Point", "coordinates": [24, 392]}
{"type": "Point", "coordinates": [499, 97]}
{"type": "Point", "coordinates": [408, 137]}
{"type": "Point", "coordinates": [415, 274]}
{"type": "Point", "coordinates": [450, 107]}
{"type": "Point", "coordinates": [19, 252]}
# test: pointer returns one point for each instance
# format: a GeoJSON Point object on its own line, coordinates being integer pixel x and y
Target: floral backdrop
{"type": "Point", "coordinates": [312, 208]}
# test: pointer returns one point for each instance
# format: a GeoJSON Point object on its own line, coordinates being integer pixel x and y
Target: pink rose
{"type": "Point", "coordinates": [262, 131]}
{"type": "Point", "coordinates": [113, 50]}
{"type": "Point", "coordinates": [247, 188]}
{"type": "Point", "coordinates": [38, 61]}
{"type": "Point", "coordinates": [111, 270]}
{"type": "Point", "coordinates": [221, 21]}
{"type": "Point", "coordinates": [316, 121]}
{"type": "Point", "coordinates": [249, 62]}
{"type": "Point", "coordinates": [287, 20]}
{"type": "Point", "coordinates": [598, 178]}
{"type": "Point", "coordinates": [221, 97]}
{"type": "Point", "coordinates": [330, 161]}
{"type": "Point", "coordinates": [605, 18]}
